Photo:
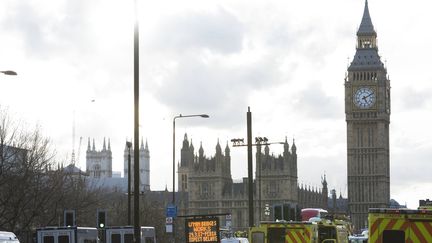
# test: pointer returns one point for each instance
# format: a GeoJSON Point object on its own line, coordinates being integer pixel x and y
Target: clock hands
{"type": "Point", "coordinates": [364, 97]}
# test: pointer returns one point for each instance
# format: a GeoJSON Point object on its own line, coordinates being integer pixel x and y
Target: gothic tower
{"type": "Point", "coordinates": [367, 110]}
{"type": "Point", "coordinates": [144, 161]}
{"type": "Point", "coordinates": [99, 163]}
{"type": "Point", "coordinates": [276, 178]}
{"type": "Point", "coordinates": [186, 164]}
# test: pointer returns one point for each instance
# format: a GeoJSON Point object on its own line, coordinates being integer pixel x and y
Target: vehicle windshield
{"type": "Point", "coordinates": [325, 233]}
{"type": "Point", "coordinates": [358, 241]}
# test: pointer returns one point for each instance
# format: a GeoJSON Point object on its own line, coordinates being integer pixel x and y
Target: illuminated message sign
{"type": "Point", "coordinates": [204, 230]}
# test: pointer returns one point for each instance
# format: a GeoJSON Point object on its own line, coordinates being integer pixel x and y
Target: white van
{"type": "Point", "coordinates": [124, 234]}
{"type": "Point", "coordinates": [8, 237]}
{"type": "Point", "coordinates": [235, 240]}
{"type": "Point", "coordinates": [67, 235]}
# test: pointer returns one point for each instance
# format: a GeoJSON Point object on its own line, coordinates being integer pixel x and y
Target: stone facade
{"type": "Point", "coordinates": [211, 189]}
{"type": "Point", "coordinates": [367, 109]}
{"type": "Point", "coordinates": [99, 163]}
{"type": "Point", "coordinates": [99, 166]}
{"type": "Point", "coordinates": [144, 165]}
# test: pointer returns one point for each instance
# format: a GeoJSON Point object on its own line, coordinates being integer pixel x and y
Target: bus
{"type": "Point", "coordinates": [308, 213]}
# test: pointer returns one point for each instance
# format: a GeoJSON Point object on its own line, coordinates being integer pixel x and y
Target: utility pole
{"type": "Point", "coordinates": [259, 141]}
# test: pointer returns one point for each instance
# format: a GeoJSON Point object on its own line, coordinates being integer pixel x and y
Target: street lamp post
{"type": "Point", "coordinates": [129, 145]}
{"type": "Point", "coordinates": [173, 164]}
{"type": "Point", "coordinates": [137, 228]}
{"type": "Point", "coordinates": [8, 72]}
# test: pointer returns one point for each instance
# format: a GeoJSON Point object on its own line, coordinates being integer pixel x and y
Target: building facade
{"type": "Point", "coordinates": [99, 166]}
{"type": "Point", "coordinates": [210, 189]}
{"type": "Point", "coordinates": [99, 163]}
{"type": "Point", "coordinates": [367, 109]}
{"type": "Point", "coordinates": [144, 165]}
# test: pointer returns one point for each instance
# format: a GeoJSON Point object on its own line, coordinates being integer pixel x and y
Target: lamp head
{"type": "Point", "coordinates": [8, 72]}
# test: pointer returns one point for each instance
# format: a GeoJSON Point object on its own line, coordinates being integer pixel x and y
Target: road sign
{"type": "Point", "coordinates": [169, 220]}
{"type": "Point", "coordinates": [171, 211]}
{"type": "Point", "coordinates": [169, 228]}
{"type": "Point", "coordinates": [202, 230]}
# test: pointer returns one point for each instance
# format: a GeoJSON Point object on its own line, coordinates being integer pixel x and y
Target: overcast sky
{"type": "Point", "coordinates": [285, 59]}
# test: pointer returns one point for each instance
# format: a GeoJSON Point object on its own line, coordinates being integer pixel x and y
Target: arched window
{"type": "Point", "coordinates": [97, 171]}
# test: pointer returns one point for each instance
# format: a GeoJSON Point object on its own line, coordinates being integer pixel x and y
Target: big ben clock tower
{"type": "Point", "coordinates": [367, 110]}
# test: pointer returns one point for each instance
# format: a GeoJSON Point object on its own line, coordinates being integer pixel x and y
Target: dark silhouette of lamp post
{"type": "Point", "coordinates": [137, 228]}
{"type": "Point", "coordinates": [238, 142]}
{"type": "Point", "coordinates": [8, 72]}
{"type": "Point", "coordinates": [173, 165]}
{"type": "Point", "coordinates": [129, 145]}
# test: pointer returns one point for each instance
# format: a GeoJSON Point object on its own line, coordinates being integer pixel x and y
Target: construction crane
{"type": "Point", "coordinates": [79, 150]}
{"type": "Point", "coordinates": [73, 139]}
{"type": "Point", "coordinates": [74, 159]}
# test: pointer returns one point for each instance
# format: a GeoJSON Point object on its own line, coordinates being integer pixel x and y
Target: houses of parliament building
{"type": "Point", "coordinates": [210, 189]}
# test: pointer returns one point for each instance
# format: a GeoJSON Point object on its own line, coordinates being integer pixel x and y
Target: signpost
{"type": "Point", "coordinates": [228, 220]}
{"type": "Point", "coordinates": [171, 214]}
{"type": "Point", "coordinates": [171, 211]}
{"type": "Point", "coordinates": [202, 230]}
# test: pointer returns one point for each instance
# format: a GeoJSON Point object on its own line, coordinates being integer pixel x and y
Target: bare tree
{"type": "Point", "coordinates": [35, 189]}
{"type": "Point", "coordinates": [27, 186]}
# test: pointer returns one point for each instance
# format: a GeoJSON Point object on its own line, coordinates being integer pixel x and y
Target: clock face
{"type": "Point", "coordinates": [364, 97]}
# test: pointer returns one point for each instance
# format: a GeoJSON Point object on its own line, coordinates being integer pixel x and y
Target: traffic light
{"type": "Point", "coordinates": [69, 218]}
{"type": "Point", "coordinates": [101, 219]}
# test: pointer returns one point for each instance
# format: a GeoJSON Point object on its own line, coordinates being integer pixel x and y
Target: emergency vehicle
{"type": "Point", "coordinates": [308, 213]}
{"type": "Point", "coordinates": [67, 235]}
{"type": "Point", "coordinates": [8, 237]}
{"type": "Point", "coordinates": [323, 231]}
{"type": "Point", "coordinates": [125, 234]}
{"type": "Point", "coordinates": [400, 225]}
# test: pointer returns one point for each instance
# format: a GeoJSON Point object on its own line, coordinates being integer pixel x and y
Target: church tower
{"type": "Point", "coordinates": [367, 110]}
{"type": "Point", "coordinates": [99, 163]}
{"type": "Point", "coordinates": [144, 161]}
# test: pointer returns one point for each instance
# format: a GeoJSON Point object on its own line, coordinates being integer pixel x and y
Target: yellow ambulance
{"type": "Point", "coordinates": [400, 225]}
{"type": "Point", "coordinates": [295, 232]}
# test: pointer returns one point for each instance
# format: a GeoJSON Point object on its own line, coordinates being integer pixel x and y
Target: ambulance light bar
{"type": "Point", "coordinates": [399, 211]}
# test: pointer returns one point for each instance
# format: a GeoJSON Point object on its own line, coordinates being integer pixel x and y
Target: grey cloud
{"type": "Point", "coordinates": [414, 99]}
{"type": "Point", "coordinates": [406, 164]}
{"type": "Point", "coordinates": [315, 103]}
{"type": "Point", "coordinates": [44, 34]}
{"type": "Point", "coordinates": [215, 87]}
{"type": "Point", "coordinates": [220, 32]}
{"type": "Point", "coordinates": [301, 40]}
{"type": "Point", "coordinates": [28, 22]}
